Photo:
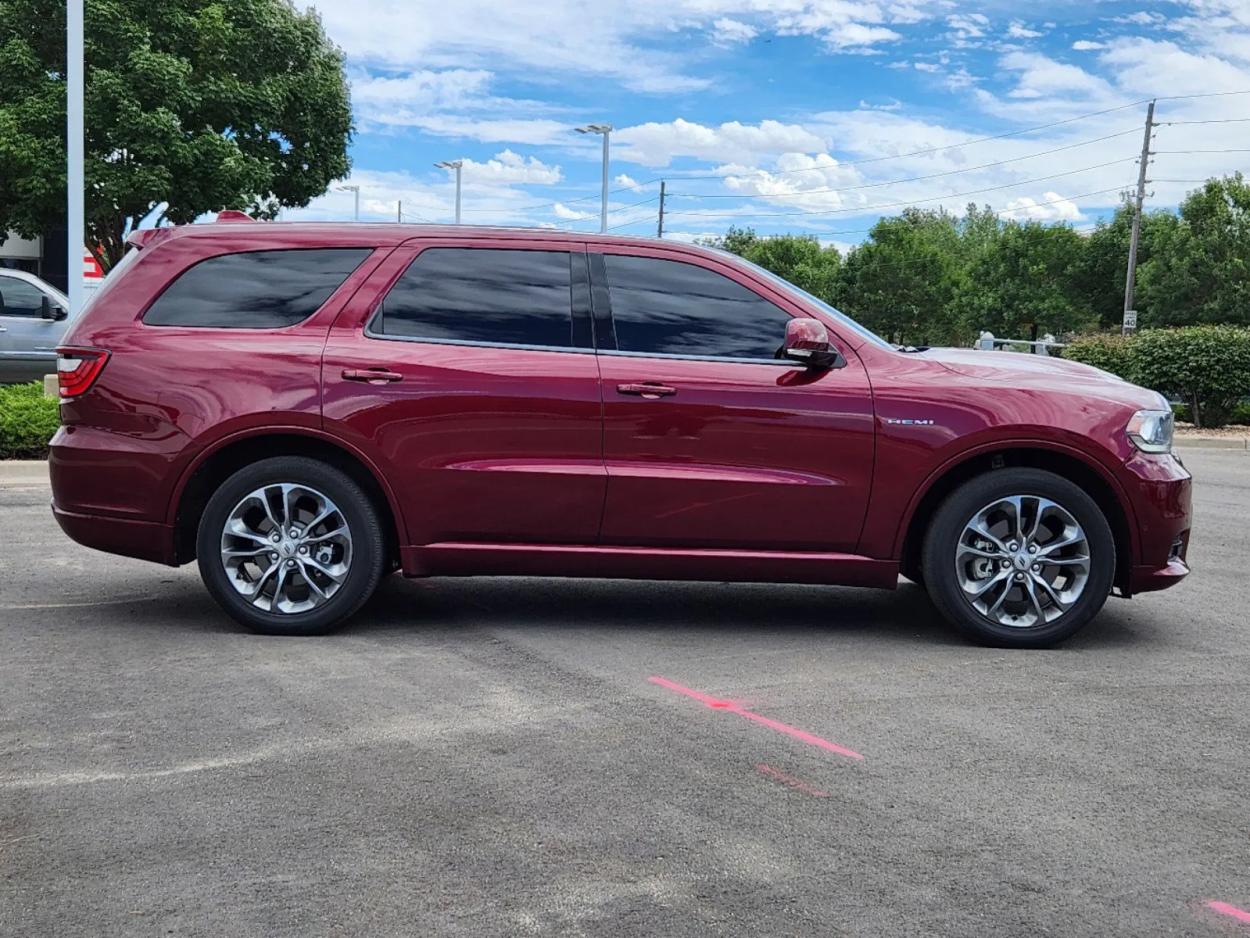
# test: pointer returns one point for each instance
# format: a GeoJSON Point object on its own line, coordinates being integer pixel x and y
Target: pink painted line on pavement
{"type": "Point", "coordinates": [730, 706]}
{"type": "Point", "coordinates": [1231, 911]}
{"type": "Point", "coordinates": [790, 781]}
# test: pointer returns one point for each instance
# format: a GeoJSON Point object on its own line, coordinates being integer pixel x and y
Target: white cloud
{"type": "Point", "coordinates": [1050, 207]}
{"type": "Point", "coordinates": [1142, 18]}
{"type": "Point", "coordinates": [966, 26]}
{"type": "Point", "coordinates": [536, 132]}
{"type": "Point", "coordinates": [508, 168]}
{"type": "Point", "coordinates": [569, 214]}
{"type": "Point", "coordinates": [1039, 76]}
{"type": "Point", "coordinates": [1018, 30]}
{"type": "Point", "coordinates": [625, 180]}
{"type": "Point", "coordinates": [658, 144]}
{"type": "Point", "coordinates": [799, 179]}
{"type": "Point", "coordinates": [730, 32]}
{"type": "Point", "coordinates": [931, 67]}
{"type": "Point", "coordinates": [1086, 45]}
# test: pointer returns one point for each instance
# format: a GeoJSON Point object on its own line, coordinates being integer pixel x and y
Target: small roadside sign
{"type": "Point", "coordinates": [1130, 319]}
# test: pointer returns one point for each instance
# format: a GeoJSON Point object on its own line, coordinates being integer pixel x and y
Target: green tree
{"type": "Point", "coordinates": [1022, 278]}
{"type": "Point", "coordinates": [1199, 271]}
{"type": "Point", "coordinates": [192, 106]}
{"type": "Point", "coordinates": [900, 282]}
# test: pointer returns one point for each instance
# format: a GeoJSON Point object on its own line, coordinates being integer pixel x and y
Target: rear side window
{"type": "Point", "coordinates": [255, 290]}
{"type": "Point", "coordinates": [482, 296]}
{"type": "Point", "coordinates": [664, 307]}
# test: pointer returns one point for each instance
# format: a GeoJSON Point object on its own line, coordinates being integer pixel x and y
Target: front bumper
{"type": "Point", "coordinates": [1162, 499]}
{"type": "Point", "coordinates": [1149, 579]}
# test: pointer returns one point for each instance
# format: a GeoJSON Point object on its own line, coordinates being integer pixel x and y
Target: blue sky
{"type": "Point", "coordinates": [786, 115]}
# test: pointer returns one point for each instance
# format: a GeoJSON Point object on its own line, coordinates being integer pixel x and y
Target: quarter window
{"type": "Point", "coordinates": [663, 307]}
{"type": "Point", "coordinates": [256, 289]}
{"type": "Point", "coordinates": [482, 295]}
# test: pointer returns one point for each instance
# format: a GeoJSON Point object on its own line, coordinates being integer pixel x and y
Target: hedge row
{"type": "Point", "coordinates": [1206, 367]}
{"type": "Point", "coordinates": [27, 421]}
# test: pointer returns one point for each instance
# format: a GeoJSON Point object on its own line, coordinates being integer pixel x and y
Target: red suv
{"type": "Point", "coordinates": [304, 408]}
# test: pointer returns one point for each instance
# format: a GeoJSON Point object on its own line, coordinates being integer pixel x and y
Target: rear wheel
{"type": "Point", "coordinates": [1019, 558]}
{"type": "Point", "coordinates": [290, 546]}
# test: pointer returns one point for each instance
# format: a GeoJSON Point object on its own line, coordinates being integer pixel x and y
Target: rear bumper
{"type": "Point", "coordinates": [145, 540]}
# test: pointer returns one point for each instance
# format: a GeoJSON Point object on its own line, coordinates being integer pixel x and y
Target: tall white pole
{"type": "Point", "coordinates": [75, 214]}
{"type": "Point", "coordinates": [357, 215]}
{"type": "Point", "coordinates": [603, 210]}
{"type": "Point", "coordinates": [459, 166]}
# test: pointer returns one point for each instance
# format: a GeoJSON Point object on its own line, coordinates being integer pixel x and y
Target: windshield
{"type": "Point", "coordinates": [841, 318]}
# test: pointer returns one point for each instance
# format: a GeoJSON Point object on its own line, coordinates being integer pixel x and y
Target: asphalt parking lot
{"type": "Point", "coordinates": [527, 757]}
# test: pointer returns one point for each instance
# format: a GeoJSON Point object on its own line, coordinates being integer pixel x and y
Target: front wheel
{"type": "Point", "coordinates": [1019, 558]}
{"type": "Point", "coordinates": [290, 546]}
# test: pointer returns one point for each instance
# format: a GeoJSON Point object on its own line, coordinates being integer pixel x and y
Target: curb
{"type": "Point", "coordinates": [1211, 442]}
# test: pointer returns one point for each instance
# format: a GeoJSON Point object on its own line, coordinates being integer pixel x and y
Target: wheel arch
{"type": "Point", "coordinates": [226, 456]}
{"type": "Point", "coordinates": [1063, 461]}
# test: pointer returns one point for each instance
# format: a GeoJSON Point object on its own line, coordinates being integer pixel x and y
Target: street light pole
{"type": "Point", "coordinates": [75, 213]}
{"type": "Point", "coordinates": [606, 131]}
{"type": "Point", "coordinates": [356, 190]}
{"type": "Point", "coordinates": [457, 165]}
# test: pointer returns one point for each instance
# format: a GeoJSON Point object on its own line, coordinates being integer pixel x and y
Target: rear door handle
{"type": "Point", "coordinates": [372, 375]}
{"type": "Point", "coordinates": [647, 389]}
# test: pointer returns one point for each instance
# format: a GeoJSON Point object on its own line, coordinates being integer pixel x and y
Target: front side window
{"type": "Point", "coordinates": [19, 298]}
{"type": "Point", "coordinates": [255, 290]}
{"type": "Point", "coordinates": [663, 307]}
{"type": "Point", "coordinates": [482, 296]}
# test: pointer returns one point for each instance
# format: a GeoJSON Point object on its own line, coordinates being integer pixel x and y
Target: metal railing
{"type": "Point", "coordinates": [989, 342]}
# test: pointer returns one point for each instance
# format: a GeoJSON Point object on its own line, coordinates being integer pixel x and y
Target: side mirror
{"type": "Point", "coordinates": [49, 311]}
{"type": "Point", "coordinates": [807, 341]}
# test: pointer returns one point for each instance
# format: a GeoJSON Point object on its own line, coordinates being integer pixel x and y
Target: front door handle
{"type": "Point", "coordinates": [372, 375]}
{"type": "Point", "coordinates": [648, 389]}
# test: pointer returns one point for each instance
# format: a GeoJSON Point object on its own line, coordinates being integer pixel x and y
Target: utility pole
{"type": "Point", "coordinates": [75, 214]}
{"type": "Point", "coordinates": [399, 211]}
{"type": "Point", "coordinates": [606, 131]}
{"type": "Point", "coordinates": [1130, 314]}
{"type": "Point", "coordinates": [659, 230]}
{"type": "Point", "coordinates": [457, 165]}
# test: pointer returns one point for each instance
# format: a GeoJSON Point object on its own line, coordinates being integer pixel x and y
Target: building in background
{"type": "Point", "coordinates": [45, 258]}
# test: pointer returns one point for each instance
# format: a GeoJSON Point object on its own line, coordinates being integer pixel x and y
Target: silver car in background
{"type": "Point", "coordinates": [32, 320]}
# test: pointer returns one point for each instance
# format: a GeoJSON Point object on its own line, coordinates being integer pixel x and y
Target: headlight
{"type": "Point", "coordinates": [1151, 431]}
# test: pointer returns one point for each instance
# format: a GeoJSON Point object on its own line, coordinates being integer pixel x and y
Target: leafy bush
{"type": "Point", "coordinates": [27, 421]}
{"type": "Point", "coordinates": [1108, 352]}
{"type": "Point", "coordinates": [1240, 415]}
{"type": "Point", "coordinates": [1207, 367]}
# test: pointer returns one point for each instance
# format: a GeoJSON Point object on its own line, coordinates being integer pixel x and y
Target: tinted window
{"type": "Point", "coordinates": [256, 290]}
{"type": "Point", "coordinates": [19, 298]}
{"type": "Point", "coordinates": [673, 308]}
{"type": "Point", "coordinates": [482, 295]}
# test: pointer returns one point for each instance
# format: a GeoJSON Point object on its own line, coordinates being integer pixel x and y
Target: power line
{"type": "Point", "coordinates": [1221, 120]}
{"type": "Point", "coordinates": [950, 146]}
{"type": "Point", "coordinates": [859, 210]}
{"type": "Point", "coordinates": [892, 182]}
{"type": "Point", "coordinates": [1184, 152]}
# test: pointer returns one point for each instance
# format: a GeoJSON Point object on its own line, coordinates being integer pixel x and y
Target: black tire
{"type": "Point", "coordinates": [368, 545]}
{"type": "Point", "coordinates": [947, 525]}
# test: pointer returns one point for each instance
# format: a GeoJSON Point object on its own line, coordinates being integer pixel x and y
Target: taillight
{"type": "Point", "coordinates": [77, 368]}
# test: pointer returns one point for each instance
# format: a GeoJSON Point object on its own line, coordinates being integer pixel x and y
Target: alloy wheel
{"type": "Point", "coordinates": [286, 548]}
{"type": "Point", "coordinates": [1022, 561]}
